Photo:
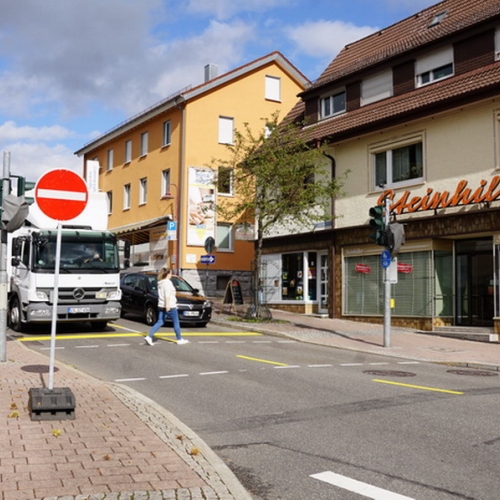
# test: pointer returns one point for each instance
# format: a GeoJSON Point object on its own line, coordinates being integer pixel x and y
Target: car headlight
{"type": "Point", "coordinates": [41, 295]}
{"type": "Point", "coordinates": [109, 294]}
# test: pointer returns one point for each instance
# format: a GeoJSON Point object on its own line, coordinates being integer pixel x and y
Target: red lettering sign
{"type": "Point", "coordinates": [405, 268]}
{"type": "Point", "coordinates": [363, 268]}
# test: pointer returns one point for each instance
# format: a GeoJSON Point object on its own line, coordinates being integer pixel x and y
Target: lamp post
{"type": "Point", "coordinates": [175, 214]}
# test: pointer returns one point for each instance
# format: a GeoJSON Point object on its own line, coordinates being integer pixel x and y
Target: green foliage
{"type": "Point", "coordinates": [278, 177]}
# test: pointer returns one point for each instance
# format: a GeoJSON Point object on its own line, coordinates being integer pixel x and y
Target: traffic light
{"type": "Point", "coordinates": [377, 222]}
{"type": "Point", "coordinates": [23, 186]}
{"type": "Point", "coordinates": [395, 238]}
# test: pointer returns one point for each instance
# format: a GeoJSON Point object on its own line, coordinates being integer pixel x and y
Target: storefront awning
{"type": "Point", "coordinates": [138, 232]}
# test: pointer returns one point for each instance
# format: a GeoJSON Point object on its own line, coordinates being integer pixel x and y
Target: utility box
{"type": "Point", "coordinates": [51, 404]}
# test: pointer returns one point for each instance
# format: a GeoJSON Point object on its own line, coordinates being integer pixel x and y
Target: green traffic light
{"type": "Point", "coordinates": [377, 222]}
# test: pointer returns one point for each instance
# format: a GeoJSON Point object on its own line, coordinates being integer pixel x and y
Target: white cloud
{"type": "Point", "coordinates": [31, 160]}
{"type": "Point", "coordinates": [225, 9]}
{"type": "Point", "coordinates": [9, 131]}
{"type": "Point", "coordinates": [326, 38]}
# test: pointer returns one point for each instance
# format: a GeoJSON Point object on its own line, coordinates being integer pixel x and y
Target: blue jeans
{"type": "Point", "coordinates": [162, 317]}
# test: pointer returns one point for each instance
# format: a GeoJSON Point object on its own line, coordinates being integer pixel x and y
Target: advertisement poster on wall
{"type": "Point", "coordinates": [201, 199]}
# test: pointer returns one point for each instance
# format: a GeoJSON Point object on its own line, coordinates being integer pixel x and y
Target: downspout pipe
{"type": "Point", "coordinates": [182, 182]}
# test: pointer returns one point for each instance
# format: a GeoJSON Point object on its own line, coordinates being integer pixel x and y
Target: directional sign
{"type": "Point", "coordinates": [385, 259]}
{"type": "Point", "coordinates": [208, 259]}
{"type": "Point", "coordinates": [61, 194]}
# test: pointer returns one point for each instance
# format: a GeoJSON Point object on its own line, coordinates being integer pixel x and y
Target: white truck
{"type": "Point", "coordinates": [89, 281]}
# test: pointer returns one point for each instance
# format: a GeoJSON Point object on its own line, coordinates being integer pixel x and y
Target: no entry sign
{"type": "Point", "coordinates": [61, 194]}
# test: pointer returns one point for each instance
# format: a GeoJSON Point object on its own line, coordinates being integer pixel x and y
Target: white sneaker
{"type": "Point", "coordinates": [183, 341]}
{"type": "Point", "coordinates": [148, 340]}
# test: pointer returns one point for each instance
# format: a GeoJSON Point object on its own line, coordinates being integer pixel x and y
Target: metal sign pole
{"type": "Point", "coordinates": [3, 264]}
{"type": "Point", "coordinates": [54, 308]}
{"type": "Point", "coordinates": [387, 288]}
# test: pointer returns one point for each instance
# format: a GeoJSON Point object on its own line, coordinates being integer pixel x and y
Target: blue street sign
{"type": "Point", "coordinates": [208, 259]}
{"type": "Point", "coordinates": [171, 225]}
{"type": "Point", "coordinates": [385, 259]}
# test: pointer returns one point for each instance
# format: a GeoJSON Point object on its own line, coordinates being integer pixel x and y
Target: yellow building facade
{"type": "Point", "coordinates": [155, 170]}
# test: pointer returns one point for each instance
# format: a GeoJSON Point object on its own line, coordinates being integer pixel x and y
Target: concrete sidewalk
{"type": "Point", "coordinates": [367, 337]}
{"type": "Point", "coordinates": [119, 446]}
{"type": "Point", "coordinates": [123, 446]}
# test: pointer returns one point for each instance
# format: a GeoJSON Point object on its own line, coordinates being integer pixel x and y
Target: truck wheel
{"type": "Point", "coordinates": [15, 315]}
{"type": "Point", "coordinates": [150, 315]}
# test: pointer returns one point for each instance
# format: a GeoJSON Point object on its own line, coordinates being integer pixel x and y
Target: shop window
{"type": "Point", "coordinates": [413, 294]}
{"type": "Point", "coordinates": [292, 276]}
{"type": "Point", "coordinates": [312, 259]}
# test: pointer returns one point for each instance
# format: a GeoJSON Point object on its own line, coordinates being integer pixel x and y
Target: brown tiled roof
{"type": "Point", "coordinates": [431, 98]}
{"type": "Point", "coordinates": [406, 35]}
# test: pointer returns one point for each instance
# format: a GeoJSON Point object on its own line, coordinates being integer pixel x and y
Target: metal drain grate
{"type": "Point", "coordinates": [474, 373]}
{"type": "Point", "coordinates": [389, 373]}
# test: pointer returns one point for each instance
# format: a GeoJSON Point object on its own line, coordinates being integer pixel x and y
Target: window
{"type": "Point", "coordinates": [128, 151]}
{"type": "Point", "coordinates": [167, 132]}
{"type": "Point", "coordinates": [109, 199]}
{"type": "Point", "coordinates": [165, 182]}
{"type": "Point", "coordinates": [399, 166]}
{"type": "Point", "coordinates": [434, 66]}
{"type": "Point", "coordinates": [126, 197]}
{"type": "Point", "coordinates": [144, 143]}
{"type": "Point", "coordinates": [292, 276]}
{"type": "Point", "coordinates": [225, 181]}
{"type": "Point", "coordinates": [109, 165]}
{"type": "Point", "coordinates": [273, 88]}
{"type": "Point", "coordinates": [497, 44]}
{"type": "Point", "coordinates": [226, 127]}
{"type": "Point", "coordinates": [143, 191]}
{"type": "Point", "coordinates": [333, 104]}
{"type": "Point", "coordinates": [224, 237]}
{"type": "Point", "coordinates": [376, 87]}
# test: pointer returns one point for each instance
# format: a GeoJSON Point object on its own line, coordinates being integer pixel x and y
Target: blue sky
{"type": "Point", "coordinates": [73, 69]}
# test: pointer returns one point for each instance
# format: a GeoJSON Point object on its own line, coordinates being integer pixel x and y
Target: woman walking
{"type": "Point", "coordinates": [167, 307]}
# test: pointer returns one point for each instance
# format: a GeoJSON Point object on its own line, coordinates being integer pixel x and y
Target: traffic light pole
{"type": "Point", "coordinates": [387, 286]}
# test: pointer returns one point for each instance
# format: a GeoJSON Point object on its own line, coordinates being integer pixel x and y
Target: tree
{"type": "Point", "coordinates": [279, 179]}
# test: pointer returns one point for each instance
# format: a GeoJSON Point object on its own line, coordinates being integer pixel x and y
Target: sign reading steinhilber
{"type": "Point", "coordinates": [61, 194]}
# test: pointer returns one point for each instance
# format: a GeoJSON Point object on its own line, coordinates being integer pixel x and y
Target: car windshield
{"type": "Point", "coordinates": [181, 285]}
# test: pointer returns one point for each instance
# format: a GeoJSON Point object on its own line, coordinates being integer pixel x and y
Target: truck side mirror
{"type": "Point", "coordinates": [15, 261]}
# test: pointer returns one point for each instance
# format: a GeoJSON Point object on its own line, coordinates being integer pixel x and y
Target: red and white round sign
{"type": "Point", "coordinates": [61, 194]}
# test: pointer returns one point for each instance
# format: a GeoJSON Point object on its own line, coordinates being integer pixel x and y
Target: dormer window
{"type": "Point", "coordinates": [434, 66]}
{"type": "Point", "coordinates": [333, 104]}
{"type": "Point", "coordinates": [437, 19]}
{"type": "Point", "coordinates": [376, 87]}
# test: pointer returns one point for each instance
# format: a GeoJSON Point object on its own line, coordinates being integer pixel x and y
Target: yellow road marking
{"type": "Point", "coordinates": [262, 360]}
{"type": "Point", "coordinates": [416, 386]}
{"type": "Point", "coordinates": [77, 336]}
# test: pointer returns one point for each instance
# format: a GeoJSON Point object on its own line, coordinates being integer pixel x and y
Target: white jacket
{"type": "Point", "coordinates": [166, 295]}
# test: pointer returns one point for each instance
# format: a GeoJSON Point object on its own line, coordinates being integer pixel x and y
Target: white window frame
{"type": "Point", "coordinates": [143, 191]}
{"type": "Point", "coordinates": [109, 201]}
{"type": "Point", "coordinates": [388, 147]}
{"type": "Point", "coordinates": [376, 87]}
{"type": "Point", "coordinates": [327, 104]}
{"type": "Point", "coordinates": [165, 182]}
{"type": "Point", "coordinates": [226, 130]}
{"type": "Point", "coordinates": [144, 143]}
{"type": "Point", "coordinates": [128, 151]}
{"type": "Point", "coordinates": [273, 88]}
{"type": "Point", "coordinates": [229, 234]}
{"type": "Point", "coordinates": [428, 68]}
{"type": "Point", "coordinates": [126, 197]}
{"type": "Point", "coordinates": [110, 159]}
{"type": "Point", "coordinates": [167, 133]}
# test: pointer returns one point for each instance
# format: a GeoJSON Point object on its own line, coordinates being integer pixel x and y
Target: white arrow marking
{"type": "Point", "coordinates": [364, 489]}
{"type": "Point", "coordinates": [56, 194]}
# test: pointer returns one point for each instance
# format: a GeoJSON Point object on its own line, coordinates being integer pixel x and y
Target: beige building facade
{"type": "Point", "coordinates": [412, 115]}
{"type": "Point", "coordinates": [156, 171]}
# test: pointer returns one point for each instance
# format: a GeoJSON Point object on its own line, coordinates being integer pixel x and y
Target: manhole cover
{"type": "Point", "coordinates": [474, 373]}
{"type": "Point", "coordinates": [389, 373]}
{"type": "Point", "coordinates": [37, 368]}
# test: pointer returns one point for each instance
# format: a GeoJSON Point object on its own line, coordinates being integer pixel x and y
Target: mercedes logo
{"type": "Point", "coordinates": [78, 293]}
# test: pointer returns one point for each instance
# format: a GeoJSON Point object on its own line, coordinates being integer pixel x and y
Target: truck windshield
{"type": "Point", "coordinates": [79, 253]}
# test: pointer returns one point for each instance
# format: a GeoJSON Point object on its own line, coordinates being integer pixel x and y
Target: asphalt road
{"type": "Point", "coordinates": [297, 421]}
